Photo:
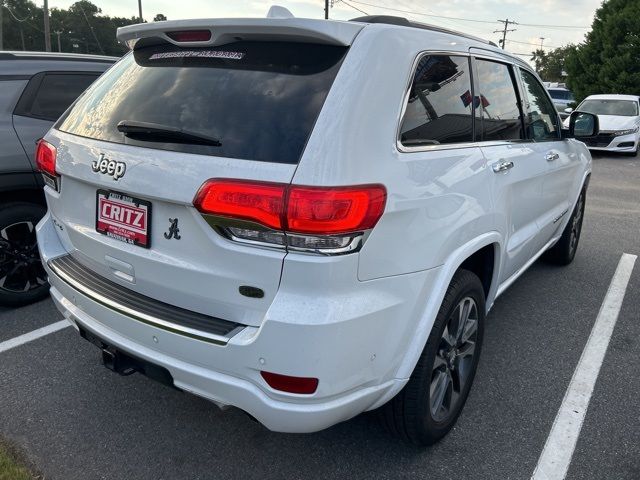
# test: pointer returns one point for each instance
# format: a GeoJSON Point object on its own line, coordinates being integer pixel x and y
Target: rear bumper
{"type": "Point", "coordinates": [352, 341]}
{"type": "Point", "coordinates": [223, 389]}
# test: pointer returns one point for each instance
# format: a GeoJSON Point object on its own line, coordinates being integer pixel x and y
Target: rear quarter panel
{"type": "Point", "coordinates": [437, 200]}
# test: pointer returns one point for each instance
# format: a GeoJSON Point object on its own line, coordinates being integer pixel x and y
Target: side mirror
{"type": "Point", "coordinates": [568, 110]}
{"type": "Point", "coordinates": [582, 125]}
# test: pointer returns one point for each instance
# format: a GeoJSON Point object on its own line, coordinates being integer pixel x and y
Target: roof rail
{"type": "Point", "coordinates": [405, 22]}
{"type": "Point", "coordinates": [73, 57]}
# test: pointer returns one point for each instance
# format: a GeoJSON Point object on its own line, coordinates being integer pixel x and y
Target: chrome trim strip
{"type": "Point", "coordinates": [556, 220]}
{"type": "Point", "coordinates": [222, 226]}
{"type": "Point", "coordinates": [142, 317]}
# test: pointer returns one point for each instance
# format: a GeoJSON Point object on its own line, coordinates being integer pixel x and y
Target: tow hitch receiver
{"type": "Point", "coordinates": [117, 362]}
{"type": "Point", "coordinates": [125, 364]}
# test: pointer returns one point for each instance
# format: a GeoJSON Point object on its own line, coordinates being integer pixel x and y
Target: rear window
{"type": "Point", "coordinates": [260, 100]}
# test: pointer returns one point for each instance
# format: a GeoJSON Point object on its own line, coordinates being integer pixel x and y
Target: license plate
{"type": "Point", "coordinates": [123, 218]}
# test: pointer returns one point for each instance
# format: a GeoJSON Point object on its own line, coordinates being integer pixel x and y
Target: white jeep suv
{"type": "Point", "coordinates": [306, 219]}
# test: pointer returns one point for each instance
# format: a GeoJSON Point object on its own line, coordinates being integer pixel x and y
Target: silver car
{"type": "Point", "coordinates": [35, 89]}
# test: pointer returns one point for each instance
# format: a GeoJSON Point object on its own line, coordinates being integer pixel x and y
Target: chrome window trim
{"type": "Point", "coordinates": [498, 57]}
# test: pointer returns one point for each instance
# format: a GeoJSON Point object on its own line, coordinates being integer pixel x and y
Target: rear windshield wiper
{"type": "Point", "coordinates": [164, 133]}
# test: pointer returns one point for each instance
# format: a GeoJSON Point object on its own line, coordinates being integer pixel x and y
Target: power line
{"type": "Point", "coordinates": [354, 7]}
{"type": "Point", "coordinates": [91, 28]}
{"type": "Point", "coordinates": [13, 15]}
{"type": "Point", "coordinates": [531, 43]}
{"type": "Point", "coordinates": [465, 19]}
{"type": "Point", "coordinates": [419, 13]}
{"type": "Point", "coordinates": [333, 2]}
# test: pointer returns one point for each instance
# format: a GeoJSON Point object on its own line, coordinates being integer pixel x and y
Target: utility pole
{"type": "Point", "coordinates": [58, 32]}
{"type": "Point", "coordinates": [140, 10]}
{"type": "Point", "coordinates": [504, 32]}
{"type": "Point", "coordinates": [47, 32]}
{"type": "Point", "coordinates": [326, 9]}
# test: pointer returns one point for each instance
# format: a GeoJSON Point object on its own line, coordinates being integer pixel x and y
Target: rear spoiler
{"type": "Point", "coordinates": [227, 30]}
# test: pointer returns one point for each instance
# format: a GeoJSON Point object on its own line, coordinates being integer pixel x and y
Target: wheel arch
{"type": "Point", "coordinates": [474, 253]}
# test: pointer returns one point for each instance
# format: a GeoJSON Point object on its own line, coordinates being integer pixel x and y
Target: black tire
{"type": "Point", "coordinates": [563, 252]}
{"type": "Point", "coordinates": [22, 277]}
{"type": "Point", "coordinates": [410, 414]}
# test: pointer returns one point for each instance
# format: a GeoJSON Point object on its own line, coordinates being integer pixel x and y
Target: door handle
{"type": "Point", "coordinates": [502, 166]}
{"type": "Point", "coordinates": [551, 157]}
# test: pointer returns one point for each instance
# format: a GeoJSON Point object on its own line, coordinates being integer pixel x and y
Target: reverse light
{"type": "Point", "coordinates": [327, 220]}
{"type": "Point", "coordinates": [190, 36]}
{"type": "Point", "coordinates": [46, 162]}
{"type": "Point", "coordinates": [286, 383]}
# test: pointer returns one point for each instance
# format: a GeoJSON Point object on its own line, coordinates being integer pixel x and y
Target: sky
{"type": "Point", "coordinates": [480, 16]}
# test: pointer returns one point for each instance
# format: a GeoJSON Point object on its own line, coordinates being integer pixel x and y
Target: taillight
{"type": "Point", "coordinates": [190, 36]}
{"type": "Point", "coordinates": [46, 162]}
{"type": "Point", "coordinates": [334, 210]}
{"type": "Point", "coordinates": [289, 384]}
{"type": "Point", "coordinates": [256, 202]}
{"type": "Point", "coordinates": [322, 219]}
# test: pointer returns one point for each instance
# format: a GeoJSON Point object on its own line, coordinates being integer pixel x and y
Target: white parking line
{"type": "Point", "coordinates": [556, 455]}
{"type": "Point", "coordinates": [35, 334]}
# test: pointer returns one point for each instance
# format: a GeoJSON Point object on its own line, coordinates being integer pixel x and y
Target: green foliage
{"type": "Point", "coordinates": [551, 66]}
{"type": "Point", "coordinates": [82, 28]}
{"type": "Point", "coordinates": [609, 59]}
{"type": "Point", "coordinates": [11, 465]}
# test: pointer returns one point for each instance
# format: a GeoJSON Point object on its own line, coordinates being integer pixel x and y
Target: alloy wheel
{"type": "Point", "coordinates": [20, 266]}
{"type": "Point", "coordinates": [454, 359]}
{"type": "Point", "coordinates": [576, 224]}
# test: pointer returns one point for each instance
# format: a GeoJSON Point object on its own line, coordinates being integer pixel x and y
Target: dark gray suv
{"type": "Point", "coordinates": [35, 89]}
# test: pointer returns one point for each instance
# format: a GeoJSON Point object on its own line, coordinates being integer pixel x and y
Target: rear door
{"type": "Point", "coordinates": [127, 200]}
{"type": "Point", "coordinates": [563, 166]}
{"type": "Point", "coordinates": [518, 173]}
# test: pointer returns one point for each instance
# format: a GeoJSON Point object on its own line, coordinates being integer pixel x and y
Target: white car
{"type": "Point", "coordinates": [235, 210]}
{"type": "Point", "coordinates": [619, 118]}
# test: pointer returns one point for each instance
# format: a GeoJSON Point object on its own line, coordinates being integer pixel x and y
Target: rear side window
{"type": "Point", "coordinates": [48, 95]}
{"type": "Point", "coordinates": [500, 107]}
{"type": "Point", "coordinates": [259, 100]}
{"type": "Point", "coordinates": [541, 120]}
{"type": "Point", "coordinates": [440, 105]}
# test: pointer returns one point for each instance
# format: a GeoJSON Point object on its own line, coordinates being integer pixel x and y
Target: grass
{"type": "Point", "coordinates": [12, 464]}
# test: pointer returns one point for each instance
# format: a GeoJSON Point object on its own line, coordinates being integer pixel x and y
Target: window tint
{"type": "Point", "coordinates": [500, 109]}
{"type": "Point", "coordinates": [440, 105]}
{"type": "Point", "coordinates": [541, 120]}
{"type": "Point", "coordinates": [52, 94]}
{"type": "Point", "coordinates": [259, 99]}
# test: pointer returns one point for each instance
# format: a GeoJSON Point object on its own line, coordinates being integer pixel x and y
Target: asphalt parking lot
{"type": "Point", "coordinates": [74, 419]}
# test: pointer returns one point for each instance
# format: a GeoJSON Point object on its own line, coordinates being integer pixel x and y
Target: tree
{"type": "Point", "coordinates": [159, 18]}
{"type": "Point", "coordinates": [538, 58]}
{"type": "Point", "coordinates": [82, 28]}
{"type": "Point", "coordinates": [607, 62]}
{"type": "Point", "coordinates": [551, 66]}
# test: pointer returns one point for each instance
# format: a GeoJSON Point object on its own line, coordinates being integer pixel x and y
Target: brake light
{"type": "Point", "coordinates": [326, 220]}
{"type": "Point", "coordinates": [334, 210]}
{"type": "Point", "coordinates": [190, 36]}
{"type": "Point", "coordinates": [46, 157]}
{"type": "Point", "coordinates": [286, 383]}
{"type": "Point", "coordinates": [258, 202]}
